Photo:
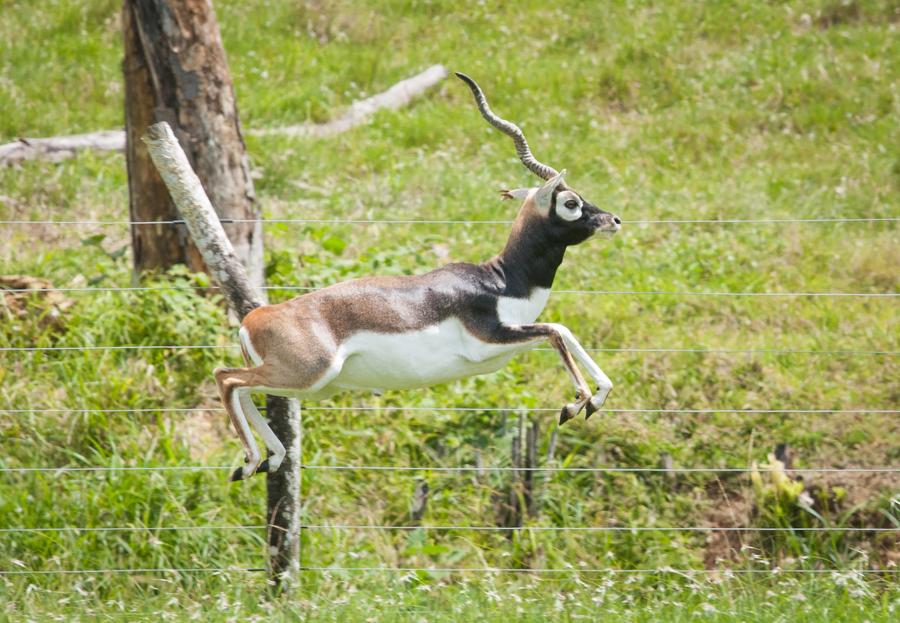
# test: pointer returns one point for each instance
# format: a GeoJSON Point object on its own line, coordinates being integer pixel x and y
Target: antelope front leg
{"type": "Point", "coordinates": [537, 332]}
{"type": "Point", "coordinates": [604, 385]}
{"type": "Point", "coordinates": [582, 390]}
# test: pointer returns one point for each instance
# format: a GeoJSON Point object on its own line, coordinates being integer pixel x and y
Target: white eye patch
{"type": "Point", "coordinates": [568, 206]}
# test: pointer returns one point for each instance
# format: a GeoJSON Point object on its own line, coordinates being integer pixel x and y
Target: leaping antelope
{"type": "Point", "coordinates": [379, 333]}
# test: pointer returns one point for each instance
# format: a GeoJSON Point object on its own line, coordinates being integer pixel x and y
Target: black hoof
{"type": "Point", "coordinates": [564, 416]}
{"type": "Point", "coordinates": [263, 467]}
{"type": "Point", "coordinates": [238, 474]}
{"type": "Point", "coordinates": [589, 410]}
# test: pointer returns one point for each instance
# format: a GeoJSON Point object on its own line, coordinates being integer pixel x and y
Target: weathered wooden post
{"type": "Point", "coordinates": [175, 70]}
{"type": "Point", "coordinates": [283, 486]}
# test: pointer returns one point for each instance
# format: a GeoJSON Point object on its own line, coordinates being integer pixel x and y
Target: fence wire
{"type": "Point", "coordinates": [462, 222]}
{"type": "Point", "coordinates": [578, 292]}
{"type": "Point", "coordinates": [743, 351]}
{"type": "Point", "coordinates": [466, 468]}
{"type": "Point", "coordinates": [132, 571]}
{"type": "Point", "coordinates": [87, 529]}
{"type": "Point", "coordinates": [349, 527]}
{"type": "Point", "coordinates": [509, 409]}
{"type": "Point", "coordinates": [593, 570]}
{"type": "Point", "coordinates": [572, 570]}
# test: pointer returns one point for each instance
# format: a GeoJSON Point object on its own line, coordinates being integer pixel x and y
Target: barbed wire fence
{"type": "Point", "coordinates": [572, 569]}
{"type": "Point", "coordinates": [473, 528]}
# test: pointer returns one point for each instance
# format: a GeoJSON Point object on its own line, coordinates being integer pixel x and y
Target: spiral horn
{"type": "Point", "coordinates": [510, 129]}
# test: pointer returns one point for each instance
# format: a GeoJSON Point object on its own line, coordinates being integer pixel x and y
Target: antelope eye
{"type": "Point", "coordinates": [571, 204]}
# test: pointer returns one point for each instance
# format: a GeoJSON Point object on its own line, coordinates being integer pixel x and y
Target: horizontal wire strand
{"type": "Point", "coordinates": [146, 468]}
{"type": "Point", "coordinates": [468, 468]}
{"type": "Point", "coordinates": [539, 570]}
{"type": "Point", "coordinates": [593, 570]}
{"type": "Point", "coordinates": [602, 470]}
{"type": "Point", "coordinates": [580, 292]}
{"type": "Point", "coordinates": [767, 351]}
{"type": "Point", "coordinates": [464, 528]}
{"type": "Point", "coordinates": [134, 528]}
{"type": "Point", "coordinates": [131, 570]}
{"type": "Point", "coordinates": [458, 409]}
{"type": "Point", "coordinates": [599, 528]}
{"type": "Point", "coordinates": [400, 221]}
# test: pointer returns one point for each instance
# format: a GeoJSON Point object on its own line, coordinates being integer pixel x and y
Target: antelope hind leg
{"type": "Point", "coordinates": [230, 381]}
{"type": "Point", "coordinates": [276, 448]}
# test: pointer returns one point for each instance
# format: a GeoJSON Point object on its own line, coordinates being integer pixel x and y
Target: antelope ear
{"type": "Point", "coordinates": [545, 192]}
{"type": "Point", "coordinates": [519, 193]}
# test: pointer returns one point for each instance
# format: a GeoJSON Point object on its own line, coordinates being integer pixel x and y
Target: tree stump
{"type": "Point", "coordinates": [176, 71]}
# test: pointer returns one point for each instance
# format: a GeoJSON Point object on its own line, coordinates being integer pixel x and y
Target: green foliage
{"type": "Point", "coordinates": [659, 111]}
{"type": "Point", "coordinates": [812, 525]}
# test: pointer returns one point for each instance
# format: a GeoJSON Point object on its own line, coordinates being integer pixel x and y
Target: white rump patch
{"type": "Point", "coordinates": [244, 336]}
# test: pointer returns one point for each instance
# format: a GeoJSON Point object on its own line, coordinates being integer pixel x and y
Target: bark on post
{"type": "Point", "coordinates": [283, 486]}
{"type": "Point", "coordinates": [175, 71]}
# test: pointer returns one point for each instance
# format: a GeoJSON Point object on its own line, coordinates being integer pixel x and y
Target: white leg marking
{"type": "Point", "coordinates": [262, 427]}
{"type": "Point", "coordinates": [604, 385]}
{"type": "Point", "coordinates": [255, 457]}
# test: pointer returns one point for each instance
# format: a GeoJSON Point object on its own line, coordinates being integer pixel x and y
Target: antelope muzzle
{"type": "Point", "coordinates": [604, 222]}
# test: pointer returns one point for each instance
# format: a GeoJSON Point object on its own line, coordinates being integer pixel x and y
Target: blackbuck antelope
{"type": "Point", "coordinates": [379, 333]}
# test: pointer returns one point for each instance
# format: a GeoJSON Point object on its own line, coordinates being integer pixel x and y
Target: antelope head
{"type": "Point", "coordinates": [561, 212]}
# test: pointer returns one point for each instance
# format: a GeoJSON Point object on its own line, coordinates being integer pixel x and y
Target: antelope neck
{"type": "Point", "coordinates": [529, 260]}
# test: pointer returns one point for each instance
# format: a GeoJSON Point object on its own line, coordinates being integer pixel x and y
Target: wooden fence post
{"type": "Point", "coordinates": [283, 486]}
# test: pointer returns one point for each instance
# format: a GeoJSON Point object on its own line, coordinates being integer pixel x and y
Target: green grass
{"type": "Point", "coordinates": [842, 597]}
{"type": "Point", "coordinates": [682, 111]}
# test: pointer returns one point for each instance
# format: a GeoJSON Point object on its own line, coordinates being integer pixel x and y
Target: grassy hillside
{"type": "Point", "coordinates": [718, 110]}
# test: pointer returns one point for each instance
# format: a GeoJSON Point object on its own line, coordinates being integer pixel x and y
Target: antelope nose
{"type": "Point", "coordinates": [617, 220]}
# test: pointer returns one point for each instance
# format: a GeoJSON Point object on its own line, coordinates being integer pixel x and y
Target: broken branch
{"type": "Point", "coordinates": [58, 148]}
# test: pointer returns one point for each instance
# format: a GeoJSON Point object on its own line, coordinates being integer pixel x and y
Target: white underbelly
{"type": "Point", "coordinates": [437, 354]}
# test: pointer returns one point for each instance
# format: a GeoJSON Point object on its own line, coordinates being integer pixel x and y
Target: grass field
{"type": "Point", "coordinates": [718, 110]}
